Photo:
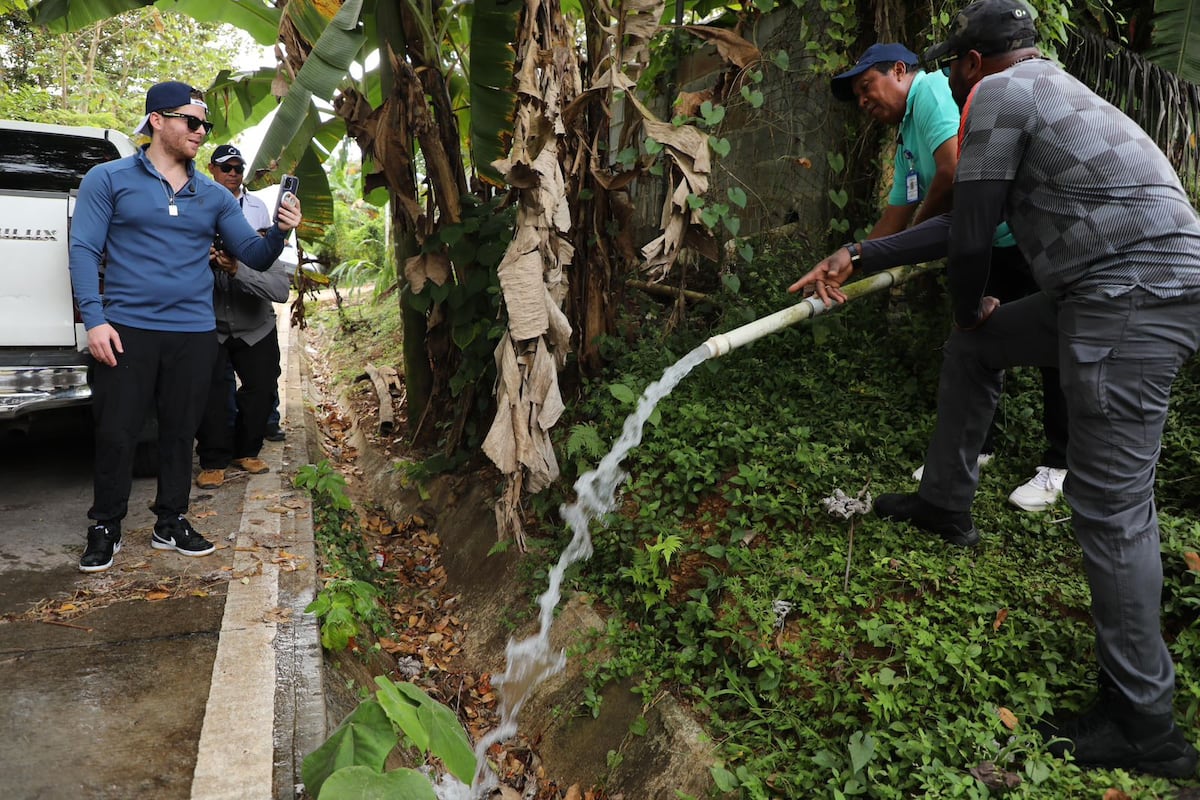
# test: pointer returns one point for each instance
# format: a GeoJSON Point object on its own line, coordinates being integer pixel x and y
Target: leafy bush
{"type": "Point", "coordinates": [934, 660]}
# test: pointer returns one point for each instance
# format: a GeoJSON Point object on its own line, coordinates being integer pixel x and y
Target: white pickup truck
{"type": "Point", "coordinates": [43, 345]}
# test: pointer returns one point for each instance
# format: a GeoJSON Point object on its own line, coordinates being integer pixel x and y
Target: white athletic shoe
{"type": "Point", "coordinates": [984, 458]}
{"type": "Point", "coordinates": [1041, 491]}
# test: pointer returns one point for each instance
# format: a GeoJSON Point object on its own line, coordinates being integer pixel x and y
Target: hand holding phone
{"type": "Point", "coordinates": [289, 185]}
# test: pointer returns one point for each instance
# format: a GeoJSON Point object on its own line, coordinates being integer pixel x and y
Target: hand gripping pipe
{"type": "Point", "coordinates": [809, 307]}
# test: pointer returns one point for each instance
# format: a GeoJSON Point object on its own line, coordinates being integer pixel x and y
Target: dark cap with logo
{"type": "Point", "coordinates": [842, 85]}
{"type": "Point", "coordinates": [226, 152]}
{"type": "Point", "coordinates": [988, 27]}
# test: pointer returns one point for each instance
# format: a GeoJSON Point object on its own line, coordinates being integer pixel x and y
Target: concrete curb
{"type": "Point", "coordinates": [266, 707]}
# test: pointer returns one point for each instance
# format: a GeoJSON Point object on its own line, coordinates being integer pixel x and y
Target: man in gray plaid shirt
{"type": "Point", "coordinates": [1114, 244]}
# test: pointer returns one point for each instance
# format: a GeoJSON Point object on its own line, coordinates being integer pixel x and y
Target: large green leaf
{"type": "Point", "coordinates": [430, 725]}
{"type": "Point", "coordinates": [364, 739]}
{"type": "Point", "coordinates": [493, 100]}
{"type": "Point", "coordinates": [256, 17]}
{"type": "Point", "coordinates": [60, 16]}
{"type": "Point", "coordinates": [297, 119]}
{"type": "Point", "coordinates": [1176, 38]}
{"type": "Point", "coordinates": [364, 783]}
{"type": "Point", "coordinates": [239, 100]}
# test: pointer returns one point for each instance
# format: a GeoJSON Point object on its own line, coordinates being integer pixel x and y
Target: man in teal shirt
{"type": "Point", "coordinates": [887, 84]}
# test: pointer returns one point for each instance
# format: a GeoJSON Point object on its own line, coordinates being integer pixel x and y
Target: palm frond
{"type": "Point", "coordinates": [1165, 105]}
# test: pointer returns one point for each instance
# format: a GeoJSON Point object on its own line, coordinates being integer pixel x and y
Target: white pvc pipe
{"type": "Point", "coordinates": [807, 308]}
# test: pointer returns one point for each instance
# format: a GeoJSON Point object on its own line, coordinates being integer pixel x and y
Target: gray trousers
{"type": "Point", "coordinates": [1117, 357]}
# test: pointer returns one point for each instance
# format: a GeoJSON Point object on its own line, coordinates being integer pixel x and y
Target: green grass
{"type": "Point", "coordinates": [892, 687]}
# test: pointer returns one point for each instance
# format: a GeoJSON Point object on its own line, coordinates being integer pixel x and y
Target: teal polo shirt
{"type": "Point", "coordinates": [930, 119]}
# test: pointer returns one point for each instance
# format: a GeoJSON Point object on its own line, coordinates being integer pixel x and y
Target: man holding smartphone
{"type": "Point", "coordinates": [151, 219]}
{"type": "Point", "coordinates": [242, 301]}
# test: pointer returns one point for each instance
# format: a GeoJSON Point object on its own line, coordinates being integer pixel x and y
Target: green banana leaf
{"type": "Point", "coordinates": [297, 119]}
{"type": "Point", "coordinates": [1176, 38]}
{"type": "Point", "coordinates": [256, 17]}
{"type": "Point", "coordinates": [60, 16]}
{"type": "Point", "coordinates": [493, 100]}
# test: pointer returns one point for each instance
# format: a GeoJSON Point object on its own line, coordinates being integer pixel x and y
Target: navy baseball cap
{"type": "Point", "coordinates": [226, 152]}
{"type": "Point", "coordinates": [164, 96]}
{"type": "Point", "coordinates": [988, 27]}
{"type": "Point", "coordinates": [881, 53]}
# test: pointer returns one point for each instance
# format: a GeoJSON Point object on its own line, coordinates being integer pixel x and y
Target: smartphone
{"type": "Point", "coordinates": [289, 184]}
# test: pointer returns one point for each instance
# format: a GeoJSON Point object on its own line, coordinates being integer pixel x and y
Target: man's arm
{"type": "Point", "coordinates": [271, 284]}
{"type": "Point", "coordinates": [89, 232]}
{"type": "Point", "coordinates": [940, 196]}
{"type": "Point", "coordinates": [893, 220]}
{"type": "Point", "coordinates": [923, 242]}
{"type": "Point", "coordinates": [978, 209]}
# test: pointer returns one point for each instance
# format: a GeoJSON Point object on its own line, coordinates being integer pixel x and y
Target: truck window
{"type": "Point", "coordinates": [48, 162]}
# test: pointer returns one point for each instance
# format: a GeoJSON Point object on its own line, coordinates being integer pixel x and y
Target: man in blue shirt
{"type": "Point", "coordinates": [145, 223]}
{"type": "Point", "coordinates": [887, 84]}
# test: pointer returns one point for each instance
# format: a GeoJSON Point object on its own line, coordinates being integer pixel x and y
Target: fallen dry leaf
{"type": "Point", "coordinates": [1193, 561]}
{"type": "Point", "coordinates": [1001, 615]}
{"type": "Point", "coordinates": [279, 614]}
{"type": "Point", "coordinates": [1008, 718]}
{"type": "Point", "coordinates": [1115, 794]}
{"type": "Point", "coordinates": [157, 594]}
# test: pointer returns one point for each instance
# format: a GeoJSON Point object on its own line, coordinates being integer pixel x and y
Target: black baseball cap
{"type": "Point", "coordinates": [842, 85]}
{"type": "Point", "coordinates": [988, 27]}
{"type": "Point", "coordinates": [225, 152]}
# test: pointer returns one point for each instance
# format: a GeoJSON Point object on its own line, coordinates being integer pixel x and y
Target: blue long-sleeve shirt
{"type": "Point", "coordinates": [157, 275]}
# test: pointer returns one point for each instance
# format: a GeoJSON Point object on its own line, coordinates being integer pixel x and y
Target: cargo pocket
{"type": "Point", "coordinates": [1124, 394]}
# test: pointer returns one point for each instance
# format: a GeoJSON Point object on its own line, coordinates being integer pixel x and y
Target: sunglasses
{"type": "Point", "coordinates": [944, 63]}
{"type": "Point", "coordinates": [193, 123]}
{"type": "Point", "coordinates": [240, 169]}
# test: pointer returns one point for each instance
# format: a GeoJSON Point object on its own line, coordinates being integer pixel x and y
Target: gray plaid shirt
{"type": "Point", "coordinates": [1093, 201]}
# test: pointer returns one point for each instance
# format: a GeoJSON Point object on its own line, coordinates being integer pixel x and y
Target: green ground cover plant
{"type": "Point", "coordinates": [920, 674]}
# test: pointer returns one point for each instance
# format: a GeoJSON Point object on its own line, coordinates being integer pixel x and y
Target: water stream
{"type": "Point", "coordinates": [531, 660]}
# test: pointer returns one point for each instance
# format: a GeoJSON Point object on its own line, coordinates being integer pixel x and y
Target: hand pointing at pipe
{"type": "Point", "coordinates": [826, 278]}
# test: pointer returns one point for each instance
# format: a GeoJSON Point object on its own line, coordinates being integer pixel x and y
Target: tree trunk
{"type": "Point", "coordinates": [418, 376]}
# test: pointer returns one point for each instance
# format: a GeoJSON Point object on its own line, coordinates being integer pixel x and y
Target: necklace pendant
{"type": "Point", "coordinates": [172, 209]}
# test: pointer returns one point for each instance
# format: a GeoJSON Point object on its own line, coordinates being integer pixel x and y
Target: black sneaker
{"type": "Point", "coordinates": [1107, 737]}
{"type": "Point", "coordinates": [955, 527]}
{"type": "Point", "coordinates": [179, 535]}
{"type": "Point", "coordinates": [275, 434]}
{"type": "Point", "coordinates": [104, 541]}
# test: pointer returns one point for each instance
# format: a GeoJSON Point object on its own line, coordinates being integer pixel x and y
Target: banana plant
{"type": "Point", "coordinates": [1176, 41]}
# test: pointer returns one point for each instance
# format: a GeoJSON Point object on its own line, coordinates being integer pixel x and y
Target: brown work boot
{"type": "Point", "coordinates": [210, 478]}
{"type": "Point", "coordinates": [255, 466]}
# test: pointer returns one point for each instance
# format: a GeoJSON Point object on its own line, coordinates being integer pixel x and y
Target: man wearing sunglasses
{"type": "Point", "coordinates": [887, 84]}
{"type": "Point", "coordinates": [150, 220]}
{"type": "Point", "coordinates": [242, 300]}
{"type": "Point", "coordinates": [1114, 242]}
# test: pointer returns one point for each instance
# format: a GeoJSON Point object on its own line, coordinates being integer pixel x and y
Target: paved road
{"type": "Point", "coordinates": [164, 677]}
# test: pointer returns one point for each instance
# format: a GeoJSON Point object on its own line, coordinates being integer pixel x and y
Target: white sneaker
{"type": "Point", "coordinates": [984, 458]}
{"type": "Point", "coordinates": [1041, 491]}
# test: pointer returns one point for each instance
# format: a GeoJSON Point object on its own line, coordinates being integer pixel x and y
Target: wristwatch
{"type": "Point", "coordinates": [855, 251]}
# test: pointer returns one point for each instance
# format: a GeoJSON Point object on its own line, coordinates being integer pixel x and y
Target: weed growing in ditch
{"type": "Point", "coordinates": [923, 673]}
{"type": "Point", "coordinates": [348, 604]}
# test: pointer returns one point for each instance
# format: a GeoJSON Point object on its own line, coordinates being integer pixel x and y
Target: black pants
{"type": "Point", "coordinates": [161, 370]}
{"type": "Point", "coordinates": [257, 367]}
{"type": "Point", "coordinates": [1009, 280]}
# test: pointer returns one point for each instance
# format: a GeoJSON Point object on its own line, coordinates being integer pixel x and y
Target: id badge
{"type": "Point", "coordinates": [912, 191]}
